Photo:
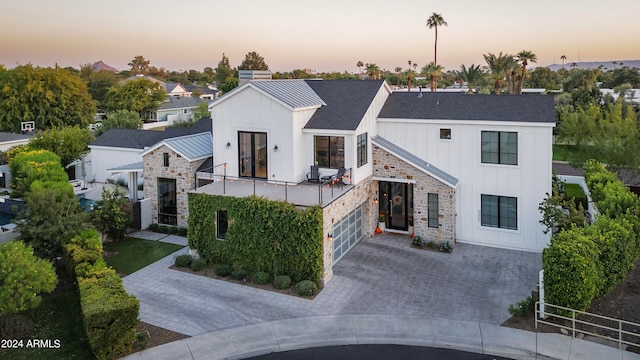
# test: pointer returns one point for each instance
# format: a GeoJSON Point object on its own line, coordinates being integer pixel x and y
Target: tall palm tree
{"type": "Point", "coordinates": [372, 70]}
{"type": "Point", "coordinates": [433, 71]}
{"type": "Point", "coordinates": [359, 65]}
{"type": "Point", "coordinates": [524, 57]}
{"type": "Point", "coordinates": [409, 75]}
{"type": "Point", "coordinates": [563, 58]}
{"type": "Point", "coordinates": [510, 74]}
{"type": "Point", "coordinates": [498, 65]}
{"type": "Point", "coordinates": [433, 22]}
{"type": "Point", "coordinates": [471, 75]}
{"type": "Point", "coordinates": [398, 69]}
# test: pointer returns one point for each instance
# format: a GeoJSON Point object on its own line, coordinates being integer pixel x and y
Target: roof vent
{"type": "Point", "coordinates": [420, 94]}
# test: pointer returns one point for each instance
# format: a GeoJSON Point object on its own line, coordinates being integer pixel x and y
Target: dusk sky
{"type": "Point", "coordinates": [329, 35]}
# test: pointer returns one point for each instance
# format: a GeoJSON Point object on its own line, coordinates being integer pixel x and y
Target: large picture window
{"type": "Point", "coordinates": [362, 149]}
{"type": "Point", "coordinates": [499, 211]}
{"type": "Point", "coordinates": [167, 210]}
{"type": "Point", "coordinates": [433, 216]}
{"type": "Point", "coordinates": [500, 147]}
{"type": "Point", "coordinates": [329, 151]}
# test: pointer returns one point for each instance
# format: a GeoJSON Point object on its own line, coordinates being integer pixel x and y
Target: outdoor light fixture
{"type": "Point", "coordinates": [330, 236]}
{"type": "Point", "coordinates": [275, 148]}
{"type": "Point", "coordinates": [228, 144]}
{"type": "Point", "coordinates": [375, 200]}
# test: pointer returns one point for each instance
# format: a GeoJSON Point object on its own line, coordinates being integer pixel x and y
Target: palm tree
{"type": "Point", "coordinates": [372, 70]}
{"type": "Point", "coordinates": [409, 76]}
{"type": "Point", "coordinates": [398, 69]}
{"type": "Point", "coordinates": [433, 71]}
{"type": "Point", "coordinates": [359, 65]}
{"type": "Point", "coordinates": [471, 75]}
{"type": "Point", "coordinates": [510, 74]}
{"type": "Point", "coordinates": [433, 22]}
{"type": "Point", "coordinates": [524, 57]}
{"type": "Point", "coordinates": [498, 65]}
{"type": "Point", "coordinates": [563, 58]}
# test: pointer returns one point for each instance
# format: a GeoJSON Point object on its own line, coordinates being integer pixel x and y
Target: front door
{"type": "Point", "coordinates": [252, 153]}
{"type": "Point", "coordinates": [395, 204]}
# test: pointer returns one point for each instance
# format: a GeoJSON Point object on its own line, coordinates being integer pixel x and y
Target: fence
{"type": "Point", "coordinates": [627, 332]}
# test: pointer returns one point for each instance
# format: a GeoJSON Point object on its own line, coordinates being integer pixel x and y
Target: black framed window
{"type": "Point", "coordinates": [329, 151]}
{"type": "Point", "coordinates": [362, 149]}
{"type": "Point", "coordinates": [432, 205]}
{"type": "Point", "coordinates": [222, 224]}
{"type": "Point", "coordinates": [167, 210]}
{"type": "Point", "coordinates": [499, 211]}
{"type": "Point", "coordinates": [500, 147]}
{"type": "Point", "coordinates": [165, 159]}
{"type": "Point", "coordinates": [445, 134]}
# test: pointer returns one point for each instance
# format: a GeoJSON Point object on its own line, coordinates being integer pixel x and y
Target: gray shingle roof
{"type": "Point", "coordinates": [7, 136]}
{"type": "Point", "coordinates": [177, 102]}
{"type": "Point", "coordinates": [295, 93]}
{"type": "Point", "coordinates": [141, 139]}
{"type": "Point", "coordinates": [447, 106]}
{"type": "Point", "coordinates": [415, 161]}
{"type": "Point", "coordinates": [347, 102]}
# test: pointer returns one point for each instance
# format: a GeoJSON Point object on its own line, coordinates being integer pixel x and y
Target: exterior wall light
{"type": "Point", "coordinates": [228, 144]}
{"type": "Point", "coordinates": [330, 236]}
{"type": "Point", "coordinates": [275, 148]}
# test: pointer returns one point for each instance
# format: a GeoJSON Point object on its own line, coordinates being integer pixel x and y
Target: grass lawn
{"type": "Point", "coordinates": [57, 318]}
{"type": "Point", "coordinates": [563, 152]}
{"type": "Point", "coordinates": [575, 191]}
{"type": "Point", "coordinates": [133, 254]}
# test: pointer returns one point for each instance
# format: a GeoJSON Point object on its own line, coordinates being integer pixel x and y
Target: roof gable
{"type": "Point", "coordinates": [448, 106]}
{"type": "Point", "coordinates": [191, 147]}
{"type": "Point", "coordinates": [347, 102]}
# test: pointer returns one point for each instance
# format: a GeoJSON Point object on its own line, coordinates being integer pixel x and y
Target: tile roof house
{"type": "Point", "coordinates": [447, 167]}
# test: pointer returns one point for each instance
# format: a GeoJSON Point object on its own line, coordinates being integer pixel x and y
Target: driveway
{"type": "Point", "coordinates": [382, 275]}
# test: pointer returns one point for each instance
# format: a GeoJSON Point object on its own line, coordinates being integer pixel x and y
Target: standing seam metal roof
{"type": "Point", "coordinates": [191, 147]}
{"type": "Point", "coordinates": [421, 164]}
{"type": "Point", "coordinates": [295, 93]}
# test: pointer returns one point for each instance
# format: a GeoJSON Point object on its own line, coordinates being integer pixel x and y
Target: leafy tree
{"type": "Point", "coordinates": [49, 97]}
{"type": "Point", "coordinates": [621, 76]}
{"type": "Point", "coordinates": [139, 65]}
{"type": "Point", "coordinates": [498, 65]}
{"type": "Point", "coordinates": [471, 75]}
{"type": "Point", "coordinates": [433, 22]}
{"type": "Point", "coordinates": [28, 166]}
{"type": "Point", "coordinates": [433, 71]}
{"type": "Point", "coordinates": [112, 215]}
{"type": "Point", "coordinates": [139, 95]}
{"type": "Point", "coordinates": [53, 216]}
{"type": "Point", "coordinates": [543, 77]}
{"type": "Point", "coordinates": [524, 57]}
{"type": "Point", "coordinates": [253, 61]}
{"type": "Point", "coordinates": [121, 119]}
{"type": "Point", "coordinates": [23, 276]}
{"type": "Point", "coordinates": [223, 71]}
{"type": "Point", "coordinates": [69, 143]}
{"type": "Point", "coordinates": [208, 75]}
{"type": "Point", "coordinates": [558, 213]}
{"type": "Point", "coordinates": [98, 82]}
{"type": "Point", "coordinates": [229, 85]}
{"type": "Point", "coordinates": [580, 78]}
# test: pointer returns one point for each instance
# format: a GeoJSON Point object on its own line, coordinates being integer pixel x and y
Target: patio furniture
{"type": "Point", "coordinates": [314, 174]}
{"type": "Point", "coordinates": [337, 178]}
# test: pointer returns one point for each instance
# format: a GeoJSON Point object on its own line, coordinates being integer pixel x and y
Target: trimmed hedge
{"type": "Point", "coordinates": [282, 282]}
{"type": "Point", "coordinates": [306, 288]}
{"type": "Point", "coordinates": [262, 235]}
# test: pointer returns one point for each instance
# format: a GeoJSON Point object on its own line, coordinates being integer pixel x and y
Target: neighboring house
{"type": "Point", "coordinates": [175, 109]}
{"type": "Point", "coordinates": [176, 89]}
{"type": "Point", "coordinates": [208, 92]}
{"type": "Point", "coordinates": [447, 167]}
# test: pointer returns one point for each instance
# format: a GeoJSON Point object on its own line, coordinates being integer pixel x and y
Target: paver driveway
{"type": "Point", "coordinates": [383, 275]}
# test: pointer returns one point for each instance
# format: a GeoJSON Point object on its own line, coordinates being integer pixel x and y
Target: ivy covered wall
{"type": "Point", "coordinates": [262, 235]}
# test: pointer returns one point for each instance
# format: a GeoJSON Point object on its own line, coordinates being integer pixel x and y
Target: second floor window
{"type": "Point", "coordinates": [500, 147]}
{"type": "Point", "coordinates": [362, 149]}
{"type": "Point", "coordinates": [329, 151]}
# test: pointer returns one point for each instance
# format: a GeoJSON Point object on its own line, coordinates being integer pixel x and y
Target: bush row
{"type": "Point", "coordinates": [583, 263]}
{"type": "Point", "coordinates": [167, 229]}
{"type": "Point", "coordinates": [109, 314]}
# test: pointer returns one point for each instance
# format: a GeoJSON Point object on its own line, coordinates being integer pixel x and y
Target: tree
{"type": "Point", "coordinates": [524, 57]}
{"type": "Point", "coordinates": [139, 65]}
{"type": "Point", "coordinates": [223, 71]}
{"type": "Point", "coordinates": [471, 75]}
{"type": "Point", "coordinates": [98, 82]}
{"type": "Point", "coordinates": [49, 97]}
{"type": "Point", "coordinates": [359, 65]}
{"type": "Point", "coordinates": [208, 75]}
{"type": "Point", "coordinates": [201, 111]}
{"type": "Point", "coordinates": [433, 71]}
{"type": "Point", "coordinates": [373, 70]}
{"type": "Point", "coordinates": [558, 213]}
{"type": "Point", "coordinates": [543, 77]}
{"type": "Point", "coordinates": [121, 119]}
{"type": "Point", "coordinates": [253, 61]}
{"type": "Point", "coordinates": [31, 165]}
{"type": "Point", "coordinates": [498, 65]}
{"type": "Point", "coordinates": [563, 58]}
{"type": "Point", "coordinates": [69, 143]}
{"type": "Point", "coordinates": [112, 215]}
{"type": "Point", "coordinates": [23, 277]}
{"type": "Point", "coordinates": [228, 85]}
{"type": "Point", "coordinates": [139, 95]}
{"type": "Point", "coordinates": [433, 22]}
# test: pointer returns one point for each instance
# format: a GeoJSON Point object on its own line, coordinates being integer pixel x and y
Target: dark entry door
{"type": "Point", "coordinates": [252, 153]}
{"type": "Point", "coordinates": [394, 204]}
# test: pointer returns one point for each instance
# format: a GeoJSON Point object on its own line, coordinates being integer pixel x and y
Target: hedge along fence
{"type": "Point", "coordinates": [583, 263]}
{"type": "Point", "coordinates": [28, 166]}
{"type": "Point", "coordinates": [109, 314]}
{"type": "Point", "coordinates": [262, 235]}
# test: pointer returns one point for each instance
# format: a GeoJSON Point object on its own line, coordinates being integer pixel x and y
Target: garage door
{"type": "Point", "coordinates": [346, 233]}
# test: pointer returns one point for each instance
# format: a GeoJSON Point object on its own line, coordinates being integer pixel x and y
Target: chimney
{"type": "Point", "coordinates": [244, 76]}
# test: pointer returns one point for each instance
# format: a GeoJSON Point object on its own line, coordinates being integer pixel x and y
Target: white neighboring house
{"type": "Point", "coordinates": [174, 109]}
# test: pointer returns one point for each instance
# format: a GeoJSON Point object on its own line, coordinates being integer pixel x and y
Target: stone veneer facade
{"type": "Point", "coordinates": [180, 169]}
{"type": "Point", "coordinates": [388, 166]}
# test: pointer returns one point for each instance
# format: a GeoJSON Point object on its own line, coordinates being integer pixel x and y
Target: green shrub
{"type": "Point", "coordinates": [261, 278]}
{"type": "Point", "coordinates": [172, 230]}
{"type": "Point", "coordinates": [282, 282]}
{"type": "Point", "coordinates": [446, 247]}
{"type": "Point", "coordinates": [163, 229]}
{"type": "Point", "coordinates": [153, 227]}
{"type": "Point", "coordinates": [306, 288]}
{"type": "Point", "coordinates": [523, 307]}
{"type": "Point", "coordinates": [183, 260]}
{"type": "Point", "coordinates": [239, 274]}
{"type": "Point", "coordinates": [198, 264]}
{"type": "Point", "coordinates": [417, 241]}
{"type": "Point", "coordinates": [182, 231]}
{"type": "Point", "coordinates": [223, 270]}
{"type": "Point", "coordinates": [431, 244]}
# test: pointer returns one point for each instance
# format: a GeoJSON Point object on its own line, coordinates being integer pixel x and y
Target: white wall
{"type": "Point", "coordinates": [529, 181]}
{"type": "Point", "coordinates": [103, 158]}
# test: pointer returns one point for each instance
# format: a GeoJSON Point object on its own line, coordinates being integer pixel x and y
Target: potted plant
{"type": "Point", "coordinates": [381, 222]}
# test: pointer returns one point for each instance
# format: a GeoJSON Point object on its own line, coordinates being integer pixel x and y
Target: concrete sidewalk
{"type": "Point", "coordinates": [301, 333]}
